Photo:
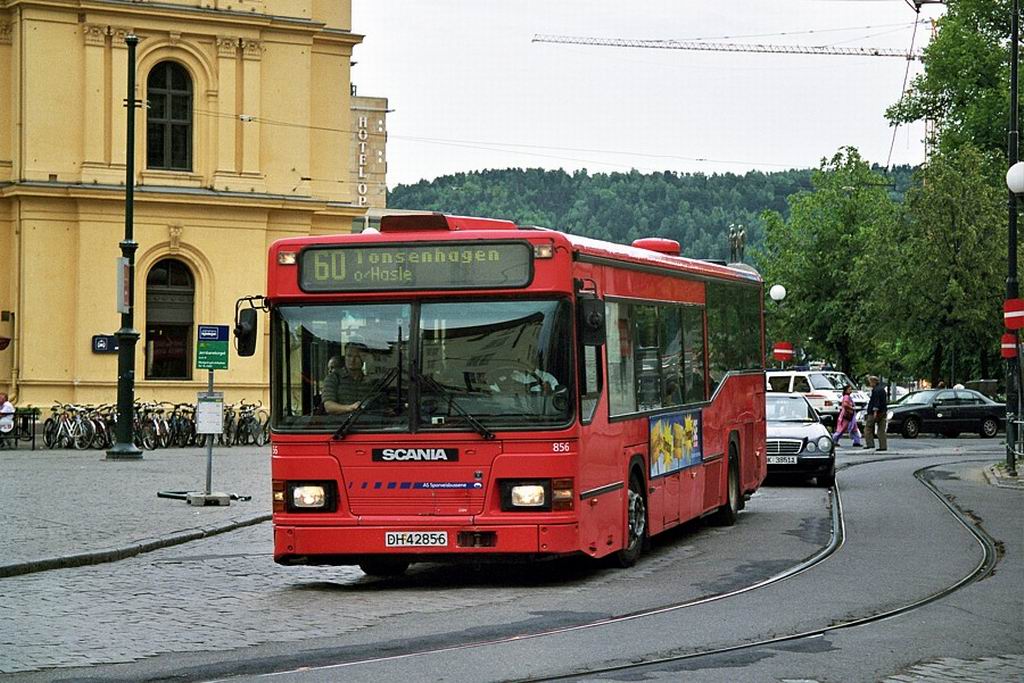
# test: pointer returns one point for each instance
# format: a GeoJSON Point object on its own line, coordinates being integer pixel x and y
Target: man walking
{"type": "Point", "coordinates": [877, 409]}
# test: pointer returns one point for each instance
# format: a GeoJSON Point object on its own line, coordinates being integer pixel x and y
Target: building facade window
{"type": "Point", "coordinates": [169, 118]}
{"type": "Point", "coordinates": [170, 295]}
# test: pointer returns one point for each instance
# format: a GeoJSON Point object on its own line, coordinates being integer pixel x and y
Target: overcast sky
{"type": "Point", "coordinates": [471, 91]}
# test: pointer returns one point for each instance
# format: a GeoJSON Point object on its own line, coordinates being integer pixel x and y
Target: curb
{"type": "Point", "coordinates": [1002, 482]}
{"type": "Point", "coordinates": [114, 554]}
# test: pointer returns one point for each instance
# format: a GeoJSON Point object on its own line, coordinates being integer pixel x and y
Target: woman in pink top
{"type": "Point", "coordinates": [847, 420]}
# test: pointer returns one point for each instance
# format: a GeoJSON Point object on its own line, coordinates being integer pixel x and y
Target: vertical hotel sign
{"type": "Point", "coordinates": [363, 134]}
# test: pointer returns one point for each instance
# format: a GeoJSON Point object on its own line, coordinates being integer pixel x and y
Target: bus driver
{"type": "Point", "coordinates": [345, 387]}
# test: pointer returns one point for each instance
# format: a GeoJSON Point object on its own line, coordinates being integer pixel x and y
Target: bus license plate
{"type": "Point", "coordinates": [417, 539]}
{"type": "Point", "coordinates": [781, 459]}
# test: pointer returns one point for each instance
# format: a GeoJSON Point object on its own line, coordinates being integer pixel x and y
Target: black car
{"type": "Point", "coordinates": [798, 443]}
{"type": "Point", "coordinates": [946, 411]}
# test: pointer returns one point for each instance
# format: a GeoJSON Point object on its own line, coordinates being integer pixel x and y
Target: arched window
{"type": "Point", "coordinates": [170, 292]}
{"type": "Point", "coordinates": [169, 118]}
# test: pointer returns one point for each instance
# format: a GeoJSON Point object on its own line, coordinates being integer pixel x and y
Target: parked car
{"type": "Point", "coordinates": [798, 442]}
{"type": "Point", "coordinates": [946, 411]}
{"type": "Point", "coordinates": [815, 385]}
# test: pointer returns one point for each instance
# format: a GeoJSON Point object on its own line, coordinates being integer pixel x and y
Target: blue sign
{"type": "Point", "coordinates": [213, 333]}
{"type": "Point", "coordinates": [104, 343]}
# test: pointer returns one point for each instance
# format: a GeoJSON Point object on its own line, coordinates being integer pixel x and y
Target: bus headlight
{"type": "Point", "coordinates": [528, 495]}
{"type": "Point", "coordinates": [535, 495]}
{"type": "Point", "coordinates": [309, 496]}
{"type": "Point", "coordinates": [305, 496]}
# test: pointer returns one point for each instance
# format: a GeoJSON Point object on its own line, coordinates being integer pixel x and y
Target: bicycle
{"type": "Point", "coordinates": [68, 427]}
{"type": "Point", "coordinates": [249, 429]}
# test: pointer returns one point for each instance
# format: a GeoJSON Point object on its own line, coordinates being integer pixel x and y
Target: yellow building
{"type": "Point", "coordinates": [246, 138]}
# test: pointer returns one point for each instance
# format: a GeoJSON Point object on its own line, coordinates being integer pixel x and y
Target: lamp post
{"type": "Point", "coordinates": [781, 351]}
{"type": "Point", "coordinates": [124, 448]}
{"type": "Point", "coordinates": [1015, 183]}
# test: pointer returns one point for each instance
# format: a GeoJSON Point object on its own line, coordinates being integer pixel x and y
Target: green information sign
{"type": "Point", "coordinates": [212, 347]}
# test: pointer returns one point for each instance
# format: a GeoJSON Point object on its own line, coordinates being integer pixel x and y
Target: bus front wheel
{"type": "Point", "coordinates": [636, 524]}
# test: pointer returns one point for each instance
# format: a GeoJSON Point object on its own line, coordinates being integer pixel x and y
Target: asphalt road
{"type": "Point", "coordinates": [219, 607]}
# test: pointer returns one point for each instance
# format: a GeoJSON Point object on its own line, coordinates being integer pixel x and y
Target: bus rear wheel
{"type": "Point", "coordinates": [636, 524]}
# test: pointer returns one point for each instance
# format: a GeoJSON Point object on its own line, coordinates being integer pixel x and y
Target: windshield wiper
{"type": "Point", "coordinates": [381, 387]}
{"type": "Point", "coordinates": [447, 393]}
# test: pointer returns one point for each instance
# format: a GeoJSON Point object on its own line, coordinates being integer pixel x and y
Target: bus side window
{"type": "Point", "coordinates": [619, 347]}
{"type": "Point", "coordinates": [590, 391]}
{"type": "Point", "coordinates": [647, 357]}
{"type": "Point", "coordinates": [693, 353]}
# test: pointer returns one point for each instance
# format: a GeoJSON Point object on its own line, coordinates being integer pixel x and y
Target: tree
{"type": "Point", "coordinates": [965, 86]}
{"type": "Point", "coordinates": [694, 209]}
{"type": "Point", "coordinates": [943, 268]}
{"type": "Point", "coordinates": [817, 254]}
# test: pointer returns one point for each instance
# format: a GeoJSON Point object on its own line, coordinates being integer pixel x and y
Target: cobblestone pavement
{"type": "Point", "coordinates": [67, 508]}
{"type": "Point", "coordinates": [1008, 668]}
{"type": "Point", "coordinates": [216, 593]}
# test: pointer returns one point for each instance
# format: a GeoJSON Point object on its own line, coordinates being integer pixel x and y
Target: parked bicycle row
{"type": "Point", "coordinates": [154, 425]}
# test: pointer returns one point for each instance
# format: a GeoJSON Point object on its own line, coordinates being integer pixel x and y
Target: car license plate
{"type": "Point", "coordinates": [781, 459]}
{"type": "Point", "coordinates": [415, 539]}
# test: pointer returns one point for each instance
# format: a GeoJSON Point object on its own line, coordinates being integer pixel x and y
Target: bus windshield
{"type": "Point", "coordinates": [466, 366]}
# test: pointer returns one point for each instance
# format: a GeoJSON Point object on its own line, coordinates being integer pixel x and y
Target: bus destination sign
{"type": "Point", "coordinates": [413, 266]}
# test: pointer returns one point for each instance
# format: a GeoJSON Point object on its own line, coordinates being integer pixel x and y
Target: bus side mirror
{"type": "Point", "coordinates": [591, 321]}
{"type": "Point", "coordinates": [245, 331]}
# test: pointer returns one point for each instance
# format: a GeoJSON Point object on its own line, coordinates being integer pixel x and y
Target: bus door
{"type": "Point", "coordinates": [670, 509]}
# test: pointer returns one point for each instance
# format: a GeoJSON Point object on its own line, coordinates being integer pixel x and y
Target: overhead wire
{"type": "Point", "coordinates": [903, 93]}
{"type": "Point", "coordinates": [496, 146]}
{"type": "Point", "coordinates": [502, 146]}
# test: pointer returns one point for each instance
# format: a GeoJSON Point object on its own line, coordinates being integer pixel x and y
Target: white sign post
{"type": "Point", "coordinates": [209, 421]}
{"type": "Point", "coordinates": [124, 282]}
{"type": "Point", "coordinates": [210, 413]}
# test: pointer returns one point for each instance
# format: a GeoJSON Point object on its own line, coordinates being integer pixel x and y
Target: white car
{"type": "Point", "coordinates": [840, 380]}
{"type": "Point", "coordinates": [815, 385]}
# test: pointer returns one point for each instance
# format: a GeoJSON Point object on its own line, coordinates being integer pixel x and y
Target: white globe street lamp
{"type": "Point", "coordinates": [778, 292]}
{"type": "Point", "coordinates": [1015, 178]}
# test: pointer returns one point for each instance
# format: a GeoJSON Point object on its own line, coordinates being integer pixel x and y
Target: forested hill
{"type": "Point", "coordinates": [694, 209]}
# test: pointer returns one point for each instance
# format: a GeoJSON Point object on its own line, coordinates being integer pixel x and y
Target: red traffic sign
{"type": "Point", "coordinates": [783, 351]}
{"type": "Point", "coordinates": [1009, 346]}
{"type": "Point", "coordinates": [1013, 314]}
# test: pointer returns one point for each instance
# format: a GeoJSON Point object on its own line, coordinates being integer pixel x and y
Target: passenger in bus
{"type": "Point", "coordinates": [345, 385]}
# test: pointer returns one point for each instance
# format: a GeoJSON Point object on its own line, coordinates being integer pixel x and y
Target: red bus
{"type": "Point", "coordinates": [451, 388]}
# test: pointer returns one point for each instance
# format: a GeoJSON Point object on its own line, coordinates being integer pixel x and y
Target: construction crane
{"type": "Point", "coordinates": [728, 47]}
